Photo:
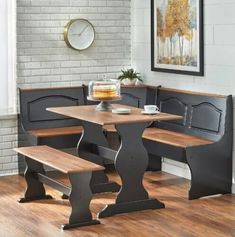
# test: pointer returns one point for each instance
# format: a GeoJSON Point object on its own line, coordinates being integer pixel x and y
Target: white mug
{"type": "Point", "coordinates": [151, 108]}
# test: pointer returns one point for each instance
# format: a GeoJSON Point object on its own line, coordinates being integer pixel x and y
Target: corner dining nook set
{"type": "Point", "coordinates": [193, 128]}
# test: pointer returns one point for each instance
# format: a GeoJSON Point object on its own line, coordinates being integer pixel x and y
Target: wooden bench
{"type": "Point", "coordinates": [79, 172]}
{"type": "Point", "coordinates": [203, 138]}
{"type": "Point", "coordinates": [54, 132]}
{"type": "Point", "coordinates": [40, 127]}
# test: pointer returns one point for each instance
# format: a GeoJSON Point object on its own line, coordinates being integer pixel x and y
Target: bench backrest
{"type": "Point", "coordinates": [204, 115]}
{"type": "Point", "coordinates": [33, 104]}
{"type": "Point", "coordinates": [136, 96]}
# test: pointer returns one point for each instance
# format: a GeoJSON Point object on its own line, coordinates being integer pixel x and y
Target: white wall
{"type": "Point", "coordinates": [219, 31]}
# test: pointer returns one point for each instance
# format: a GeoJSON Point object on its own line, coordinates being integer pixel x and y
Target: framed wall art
{"type": "Point", "coordinates": [177, 36]}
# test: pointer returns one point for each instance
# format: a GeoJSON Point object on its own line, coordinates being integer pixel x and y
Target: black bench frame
{"type": "Point", "coordinates": [206, 116]}
{"type": "Point", "coordinates": [79, 194]}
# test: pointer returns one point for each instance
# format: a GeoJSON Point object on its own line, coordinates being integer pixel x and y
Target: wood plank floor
{"type": "Point", "coordinates": [205, 217]}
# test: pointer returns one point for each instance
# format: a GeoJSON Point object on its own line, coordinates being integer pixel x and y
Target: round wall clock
{"type": "Point", "coordinates": [79, 34]}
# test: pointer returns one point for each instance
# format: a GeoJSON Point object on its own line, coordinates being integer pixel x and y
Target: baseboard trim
{"type": "Point", "coordinates": [176, 168]}
{"type": "Point", "coordinates": [180, 169]}
{"type": "Point", "coordinates": [9, 174]}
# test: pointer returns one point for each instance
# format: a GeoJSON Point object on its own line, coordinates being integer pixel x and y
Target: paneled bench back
{"type": "Point", "coordinates": [203, 138]}
{"type": "Point", "coordinates": [33, 104]}
{"type": "Point", "coordinates": [203, 114]}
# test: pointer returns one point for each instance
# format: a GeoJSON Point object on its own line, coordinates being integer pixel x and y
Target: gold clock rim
{"type": "Point", "coordinates": [66, 28]}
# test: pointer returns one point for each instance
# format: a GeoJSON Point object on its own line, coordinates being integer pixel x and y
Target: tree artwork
{"type": "Point", "coordinates": [176, 33]}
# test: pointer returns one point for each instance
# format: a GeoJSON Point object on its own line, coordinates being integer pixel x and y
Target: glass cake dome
{"type": "Point", "coordinates": [104, 91]}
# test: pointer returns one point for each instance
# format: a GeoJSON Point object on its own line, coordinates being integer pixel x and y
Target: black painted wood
{"type": "Point", "coordinates": [131, 162]}
{"type": "Point", "coordinates": [93, 134]}
{"type": "Point", "coordinates": [80, 194]}
{"type": "Point", "coordinates": [33, 104]}
{"type": "Point", "coordinates": [80, 198]}
{"type": "Point", "coordinates": [211, 165]}
{"type": "Point", "coordinates": [35, 189]}
{"type": "Point", "coordinates": [33, 115]}
{"type": "Point", "coordinates": [204, 116]}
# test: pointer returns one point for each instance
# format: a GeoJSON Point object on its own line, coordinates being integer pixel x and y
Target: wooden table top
{"type": "Point", "coordinates": [88, 113]}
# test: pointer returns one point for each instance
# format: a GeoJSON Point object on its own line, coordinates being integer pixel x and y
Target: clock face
{"type": "Point", "coordinates": [79, 34]}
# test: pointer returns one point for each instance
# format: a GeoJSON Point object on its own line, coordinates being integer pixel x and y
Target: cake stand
{"type": "Point", "coordinates": [105, 104]}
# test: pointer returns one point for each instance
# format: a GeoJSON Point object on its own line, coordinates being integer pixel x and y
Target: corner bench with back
{"type": "Point", "coordinates": [203, 138]}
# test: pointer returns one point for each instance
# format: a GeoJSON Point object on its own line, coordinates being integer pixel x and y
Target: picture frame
{"type": "Point", "coordinates": [177, 40]}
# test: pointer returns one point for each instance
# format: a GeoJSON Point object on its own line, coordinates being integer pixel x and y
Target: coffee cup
{"type": "Point", "coordinates": [151, 108]}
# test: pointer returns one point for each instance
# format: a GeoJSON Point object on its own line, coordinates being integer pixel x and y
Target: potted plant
{"type": "Point", "coordinates": [129, 77]}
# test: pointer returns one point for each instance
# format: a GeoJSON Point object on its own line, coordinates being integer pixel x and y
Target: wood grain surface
{"type": "Point", "coordinates": [173, 138]}
{"type": "Point", "coordinates": [53, 132]}
{"type": "Point", "coordinates": [57, 159]}
{"type": "Point", "coordinates": [168, 137]}
{"type": "Point", "coordinates": [192, 92]}
{"type": "Point", "coordinates": [88, 113]}
{"type": "Point", "coordinates": [207, 217]}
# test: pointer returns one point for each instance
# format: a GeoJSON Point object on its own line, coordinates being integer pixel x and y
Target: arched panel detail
{"type": "Point", "coordinates": [206, 116]}
{"type": "Point", "coordinates": [174, 106]}
{"type": "Point", "coordinates": [37, 108]}
{"type": "Point", "coordinates": [131, 100]}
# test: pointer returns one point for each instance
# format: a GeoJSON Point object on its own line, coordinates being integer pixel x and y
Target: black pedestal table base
{"type": "Point", "coordinates": [131, 162]}
{"type": "Point", "coordinates": [125, 207]}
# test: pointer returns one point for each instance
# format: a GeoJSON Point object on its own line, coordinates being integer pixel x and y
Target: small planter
{"type": "Point", "coordinates": [128, 82]}
{"type": "Point", "coordinates": [129, 77]}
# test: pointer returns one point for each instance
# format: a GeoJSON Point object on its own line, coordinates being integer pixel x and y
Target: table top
{"type": "Point", "coordinates": [88, 113]}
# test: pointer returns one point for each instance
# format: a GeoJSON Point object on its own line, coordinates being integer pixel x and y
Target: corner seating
{"type": "Point", "coordinates": [79, 172]}
{"type": "Point", "coordinates": [203, 138]}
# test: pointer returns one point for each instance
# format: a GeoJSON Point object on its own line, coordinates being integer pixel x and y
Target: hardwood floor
{"type": "Point", "coordinates": [213, 216]}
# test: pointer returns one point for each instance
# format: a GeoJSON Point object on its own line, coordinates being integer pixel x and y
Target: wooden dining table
{"type": "Point", "coordinates": [130, 160]}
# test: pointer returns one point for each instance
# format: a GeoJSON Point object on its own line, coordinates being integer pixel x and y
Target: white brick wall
{"type": "Point", "coordinates": [219, 29]}
{"type": "Point", "coordinates": [8, 140]}
{"type": "Point", "coordinates": [44, 60]}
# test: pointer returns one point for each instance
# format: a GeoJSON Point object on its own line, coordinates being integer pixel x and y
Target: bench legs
{"type": "Point", "coordinates": [211, 171]}
{"type": "Point", "coordinates": [80, 197]}
{"type": "Point", "coordinates": [35, 189]}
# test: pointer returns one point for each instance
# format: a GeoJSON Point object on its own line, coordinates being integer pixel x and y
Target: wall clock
{"type": "Point", "coordinates": [79, 34]}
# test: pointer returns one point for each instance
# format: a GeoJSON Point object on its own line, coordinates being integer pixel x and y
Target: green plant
{"type": "Point", "coordinates": [129, 74]}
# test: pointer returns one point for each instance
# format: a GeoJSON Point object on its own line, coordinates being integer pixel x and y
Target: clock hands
{"type": "Point", "coordinates": [83, 30]}
{"type": "Point", "coordinates": [79, 34]}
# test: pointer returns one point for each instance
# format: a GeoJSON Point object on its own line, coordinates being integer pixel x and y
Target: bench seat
{"type": "Point", "coordinates": [59, 160]}
{"type": "Point", "coordinates": [79, 172]}
{"type": "Point", "coordinates": [168, 137]}
{"type": "Point", "coordinates": [53, 132]}
{"type": "Point", "coordinates": [174, 138]}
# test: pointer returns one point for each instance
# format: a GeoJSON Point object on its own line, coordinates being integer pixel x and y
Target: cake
{"type": "Point", "coordinates": [104, 91]}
